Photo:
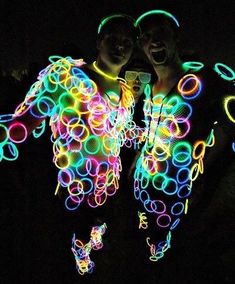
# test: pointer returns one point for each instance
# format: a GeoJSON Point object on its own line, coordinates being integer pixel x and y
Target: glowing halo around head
{"type": "Point", "coordinates": [105, 20]}
{"type": "Point", "coordinates": [157, 12]}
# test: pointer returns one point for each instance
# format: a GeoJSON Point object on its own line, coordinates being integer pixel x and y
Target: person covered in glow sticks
{"type": "Point", "coordinates": [139, 76]}
{"type": "Point", "coordinates": [82, 251]}
{"type": "Point", "coordinates": [188, 116]}
{"type": "Point", "coordinates": [90, 110]}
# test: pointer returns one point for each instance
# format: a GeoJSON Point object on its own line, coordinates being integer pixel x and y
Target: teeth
{"type": "Point", "coordinates": [156, 49]}
{"type": "Point", "coordinates": [158, 44]}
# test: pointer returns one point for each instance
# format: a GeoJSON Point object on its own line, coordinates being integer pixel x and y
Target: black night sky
{"type": "Point", "coordinates": [33, 30]}
{"type": "Point", "coordinates": [36, 229]}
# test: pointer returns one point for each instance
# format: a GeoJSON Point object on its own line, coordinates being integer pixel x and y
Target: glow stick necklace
{"type": "Point", "coordinates": [98, 70]}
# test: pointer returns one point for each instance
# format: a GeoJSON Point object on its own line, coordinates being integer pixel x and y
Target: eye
{"type": "Point", "coordinates": [128, 42]}
{"type": "Point", "coordinates": [146, 36]}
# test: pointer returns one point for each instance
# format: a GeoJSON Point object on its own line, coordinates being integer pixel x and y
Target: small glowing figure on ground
{"type": "Point", "coordinates": [82, 251]}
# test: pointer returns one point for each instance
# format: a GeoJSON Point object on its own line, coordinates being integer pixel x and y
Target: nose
{"type": "Point", "coordinates": [119, 47]}
{"type": "Point", "coordinates": [156, 37]}
{"type": "Point", "coordinates": [137, 80]}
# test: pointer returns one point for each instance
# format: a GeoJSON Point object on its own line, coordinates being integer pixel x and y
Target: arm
{"type": "Point", "coordinates": [16, 127]}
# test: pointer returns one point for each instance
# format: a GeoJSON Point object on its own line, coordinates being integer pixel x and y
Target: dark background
{"type": "Point", "coordinates": [36, 230]}
{"type": "Point", "coordinates": [32, 30]}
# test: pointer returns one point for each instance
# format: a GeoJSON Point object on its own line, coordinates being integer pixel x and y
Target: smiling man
{"type": "Point", "coordinates": [187, 119]}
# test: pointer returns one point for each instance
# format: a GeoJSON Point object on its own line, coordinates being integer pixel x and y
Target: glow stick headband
{"type": "Point", "coordinates": [107, 19]}
{"type": "Point", "coordinates": [157, 12]}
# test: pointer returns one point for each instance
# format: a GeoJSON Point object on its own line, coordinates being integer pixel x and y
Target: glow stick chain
{"type": "Point", "coordinates": [82, 251]}
{"type": "Point", "coordinates": [168, 163]}
{"type": "Point", "coordinates": [87, 130]}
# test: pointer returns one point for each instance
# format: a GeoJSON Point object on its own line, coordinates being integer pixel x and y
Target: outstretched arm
{"type": "Point", "coordinates": [16, 127]}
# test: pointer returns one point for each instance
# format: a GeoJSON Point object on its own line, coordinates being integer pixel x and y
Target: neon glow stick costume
{"type": "Point", "coordinates": [82, 251]}
{"type": "Point", "coordinates": [88, 129]}
{"type": "Point", "coordinates": [181, 130]}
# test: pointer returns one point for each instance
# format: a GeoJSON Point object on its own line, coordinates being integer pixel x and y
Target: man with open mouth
{"type": "Point", "coordinates": [187, 117]}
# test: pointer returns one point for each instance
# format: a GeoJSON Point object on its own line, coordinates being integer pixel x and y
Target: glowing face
{"type": "Point", "coordinates": [158, 43]}
{"type": "Point", "coordinates": [137, 80]}
{"type": "Point", "coordinates": [116, 47]}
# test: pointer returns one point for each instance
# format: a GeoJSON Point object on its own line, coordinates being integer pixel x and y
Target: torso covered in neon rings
{"type": "Point", "coordinates": [180, 133]}
{"type": "Point", "coordinates": [88, 129]}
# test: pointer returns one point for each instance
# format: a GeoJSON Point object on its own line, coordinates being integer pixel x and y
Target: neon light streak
{"type": "Point", "coordinates": [233, 146]}
{"type": "Point", "coordinates": [107, 19]}
{"type": "Point", "coordinates": [227, 101]}
{"type": "Point", "coordinates": [156, 12]}
{"type": "Point", "coordinates": [98, 70]}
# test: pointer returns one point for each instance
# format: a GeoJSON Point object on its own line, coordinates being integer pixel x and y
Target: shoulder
{"type": "Point", "coordinates": [60, 64]}
{"type": "Point", "coordinates": [61, 69]}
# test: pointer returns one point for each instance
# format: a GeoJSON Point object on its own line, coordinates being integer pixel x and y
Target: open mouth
{"type": "Point", "coordinates": [136, 88]}
{"type": "Point", "coordinates": [159, 56]}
